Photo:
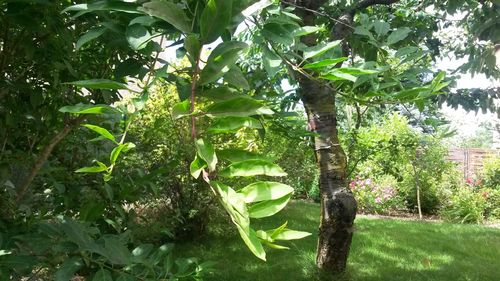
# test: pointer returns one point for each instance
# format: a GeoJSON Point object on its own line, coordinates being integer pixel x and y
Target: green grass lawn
{"type": "Point", "coordinates": [382, 250]}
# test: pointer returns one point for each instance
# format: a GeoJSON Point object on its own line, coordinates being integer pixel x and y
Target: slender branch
{"type": "Point", "coordinates": [368, 3]}
{"type": "Point", "coordinates": [44, 155]}
{"type": "Point", "coordinates": [193, 95]}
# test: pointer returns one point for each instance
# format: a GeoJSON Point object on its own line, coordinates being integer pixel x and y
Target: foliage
{"type": "Point", "coordinates": [377, 196]}
{"type": "Point", "coordinates": [490, 175]}
{"type": "Point", "coordinates": [465, 206]}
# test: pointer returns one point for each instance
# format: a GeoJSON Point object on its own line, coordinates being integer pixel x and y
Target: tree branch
{"type": "Point", "coordinates": [44, 155]}
{"type": "Point", "coordinates": [368, 3]}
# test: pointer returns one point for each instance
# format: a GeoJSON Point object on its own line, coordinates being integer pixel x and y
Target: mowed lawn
{"type": "Point", "coordinates": [382, 250]}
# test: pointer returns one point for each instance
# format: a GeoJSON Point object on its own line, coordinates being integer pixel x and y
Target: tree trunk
{"type": "Point", "coordinates": [338, 206]}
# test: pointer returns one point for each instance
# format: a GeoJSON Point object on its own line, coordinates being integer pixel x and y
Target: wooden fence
{"type": "Point", "coordinates": [470, 160]}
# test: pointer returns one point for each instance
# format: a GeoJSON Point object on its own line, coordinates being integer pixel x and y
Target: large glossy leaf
{"type": "Point", "coordinates": [324, 63]}
{"type": "Point", "coordinates": [265, 190]}
{"type": "Point", "coordinates": [236, 208]}
{"type": "Point", "coordinates": [319, 49]}
{"type": "Point", "coordinates": [214, 19]}
{"type": "Point", "coordinates": [268, 208]}
{"type": "Point", "coordinates": [253, 243]}
{"type": "Point", "coordinates": [86, 109]}
{"type": "Point", "coordinates": [207, 153]}
{"type": "Point", "coordinates": [168, 12]}
{"type": "Point", "coordinates": [288, 234]}
{"type": "Point", "coordinates": [381, 27]}
{"type": "Point", "coordinates": [409, 94]}
{"type": "Point", "coordinates": [116, 250]}
{"type": "Point", "coordinates": [272, 62]}
{"type": "Point", "coordinates": [238, 155]}
{"type": "Point", "coordinates": [253, 168]}
{"type": "Point", "coordinates": [89, 36]}
{"type": "Point", "coordinates": [221, 60]}
{"type": "Point", "coordinates": [68, 269]}
{"type": "Point", "coordinates": [104, 5]}
{"type": "Point", "coordinates": [181, 109]}
{"type": "Point", "coordinates": [99, 84]}
{"type": "Point", "coordinates": [196, 166]}
{"type": "Point", "coordinates": [101, 131]}
{"type": "Point", "coordinates": [305, 30]}
{"type": "Point", "coordinates": [232, 124]}
{"type": "Point", "coordinates": [279, 33]}
{"type": "Point", "coordinates": [220, 93]}
{"type": "Point", "coordinates": [137, 36]}
{"type": "Point", "coordinates": [239, 106]}
{"type": "Point", "coordinates": [102, 275]}
{"type": "Point", "coordinates": [336, 75]}
{"type": "Point", "coordinates": [93, 169]}
{"type": "Point", "coordinates": [192, 46]}
{"type": "Point", "coordinates": [398, 35]}
{"type": "Point", "coordinates": [236, 78]}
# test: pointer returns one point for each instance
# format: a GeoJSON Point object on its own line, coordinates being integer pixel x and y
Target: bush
{"type": "Point", "coordinates": [490, 174]}
{"type": "Point", "coordinates": [376, 196]}
{"type": "Point", "coordinates": [465, 206]}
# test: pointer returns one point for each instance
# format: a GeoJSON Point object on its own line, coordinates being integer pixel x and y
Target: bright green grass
{"type": "Point", "coordinates": [382, 250]}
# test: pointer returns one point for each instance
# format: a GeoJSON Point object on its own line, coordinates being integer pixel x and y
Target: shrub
{"type": "Point", "coordinates": [376, 196]}
{"type": "Point", "coordinates": [465, 206]}
{"type": "Point", "coordinates": [490, 174]}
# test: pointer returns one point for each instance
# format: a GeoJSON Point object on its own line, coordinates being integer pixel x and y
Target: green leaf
{"type": "Point", "coordinates": [196, 166]}
{"type": "Point", "coordinates": [128, 146]}
{"type": "Point", "coordinates": [137, 36]}
{"type": "Point", "coordinates": [116, 250]}
{"type": "Point", "coordinates": [214, 19]}
{"type": "Point", "coordinates": [253, 242]}
{"type": "Point", "coordinates": [268, 208]}
{"type": "Point", "coordinates": [398, 35]}
{"type": "Point", "coordinates": [238, 155]}
{"type": "Point", "coordinates": [221, 60]}
{"type": "Point", "coordinates": [236, 78]}
{"type": "Point", "coordinates": [86, 109]}
{"type": "Point", "coordinates": [324, 63]}
{"type": "Point", "coordinates": [119, 6]}
{"type": "Point", "coordinates": [336, 75]}
{"type": "Point", "coordinates": [356, 71]}
{"type": "Point", "coordinates": [99, 84]}
{"type": "Point", "coordinates": [278, 33]}
{"type": "Point", "coordinates": [363, 31]}
{"type": "Point", "coordinates": [265, 190]}
{"type": "Point", "coordinates": [271, 61]}
{"type": "Point", "coordinates": [89, 36]}
{"type": "Point", "coordinates": [250, 168]}
{"type": "Point", "coordinates": [381, 27]}
{"type": "Point", "coordinates": [168, 12]}
{"type": "Point", "coordinates": [406, 51]}
{"type": "Point", "coordinates": [93, 169]}
{"type": "Point", "coordinates": [276, 246]}
{"type": "Point", "coordinates": [78, 234]}
{"type": "Point", "coordinates": [206, 152]}
{"type": "Point", "coordinates": [288, 234]}
{"type": "Point", "coordinates": [305, 30]}
{"type": "Point", "coordinates": [410, 93]}
{"type": "Point", "coordinates": [437, 80]}
{"type": "Point", "coordinates": [239, 106]}
{"type": "Point", "coordinates": [320, 49]}
{"type": "Point", "coordinates": [68, 269]}
{"type": "Point", "coordinates": [101, 131]}
{"type": "Point", "coordinates": [232, 124]}
{"type": "Point", "coordinates": [236, 208]}
{"type": "Point", "coordinates": [102, 275]}
{"type": "Point", "coordinates": [220, 93]}
{"type": "Point", "coordinates": [181, 109]}
{"type": "Point", "coordinates": [115, 153]}
{"type": "Point", "coordinates": [192, 45]}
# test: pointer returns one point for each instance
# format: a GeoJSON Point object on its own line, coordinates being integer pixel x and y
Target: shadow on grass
{"type": "Point", "coordinates": [381, 250]}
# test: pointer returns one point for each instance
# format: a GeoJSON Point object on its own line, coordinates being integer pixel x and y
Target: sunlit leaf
{"type": "Point", "coordinates": [269, 207]}
{"type": "Point", "coordinates": [253, 168]}
{"type": "Point", "coordinates": [168, 12]}
{"type": "Point", "coordinates": [265, 190]}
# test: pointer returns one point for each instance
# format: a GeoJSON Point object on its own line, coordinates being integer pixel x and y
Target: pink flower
{"type": "Point", "coordinates": [469, 181]}
{"type": "Point", "coordinates": [378, 200]}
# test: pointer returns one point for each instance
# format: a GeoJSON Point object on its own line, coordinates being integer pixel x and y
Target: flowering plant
{"type": "Point", "coordinates": [375, 196]}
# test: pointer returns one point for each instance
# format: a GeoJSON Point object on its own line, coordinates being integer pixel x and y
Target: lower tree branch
{"type": "Point", "coordinates": [44, 155]}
